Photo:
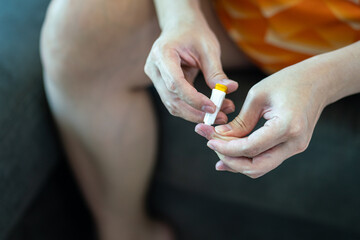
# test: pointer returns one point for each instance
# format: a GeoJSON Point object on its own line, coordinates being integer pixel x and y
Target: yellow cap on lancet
{"type": "Point", "coordinates": [221, 87]}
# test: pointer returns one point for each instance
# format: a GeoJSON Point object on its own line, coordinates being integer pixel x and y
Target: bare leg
{"type": "Point", "coordinates": [93, 53]}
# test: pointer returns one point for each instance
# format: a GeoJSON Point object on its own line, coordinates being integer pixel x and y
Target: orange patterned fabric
{"type": "Point", "coordinates": [279, 33]}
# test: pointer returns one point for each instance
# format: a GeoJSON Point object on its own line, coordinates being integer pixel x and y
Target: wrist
{"type": "Point", "coordinates": [178, 12]}
{"type": "Point", "coordinates": [337, 73]}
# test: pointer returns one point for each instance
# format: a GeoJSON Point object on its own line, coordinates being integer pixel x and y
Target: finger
{"type": "Point", "coordinates": [271, 159]}
{"type": "Point", "coordinates": [189, 113]}
{"type": "Point", "coordinates": [190, 73]}
{"type": "Point", "coordinates": [221, 118]}
{"type": "Point", "coordinates": [212, 70]}
{"type": "Point", "coordinates": [263, 163]}
{"type": "Point", "coordinates": [220, 166]}
{"type": "Point", "coordinates": [175, 106]}
{"type": "Point", "coordinates": [209, 133]}
{"type": "Point", "coordinates": [266, 137]}
{"type": "Point", "coordinates": [237, 164]}
{"type": "Point", "coordinates": [228, 106]}
{"type": "Point", "coordinates": [172, 74]}
{"type": "Point", "coordinates": [247, 119]}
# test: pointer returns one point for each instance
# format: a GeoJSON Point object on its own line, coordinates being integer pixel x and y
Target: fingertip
{"type": "Point", "coordinates": [199, 127]}
{"type": "Point", "coordinates": [221, 118]}
{"type": "Point", "coordinates": [228, 110]}
{"type": "Point", "coordinates": [228, 106]}
{"type": "Point", "coordinates": [231, 85]}
{"type": "Point", "coordinates": [199, 131]}
{"type": "Point", "coordinates": [219, 166]}
{"type": "Point", "coordinates": [228, 103]}
{"type": "Point", "coordinates": [204, 130]}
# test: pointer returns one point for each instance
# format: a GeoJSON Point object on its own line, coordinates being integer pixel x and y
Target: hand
{"type": "Point", "coordinates": [175, 58]}
{"type": "Point", "coordinates": [291, 101]}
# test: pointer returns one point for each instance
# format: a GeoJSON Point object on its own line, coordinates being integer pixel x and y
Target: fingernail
{"type": "Point", "coordinates": [219, 166]}
{"type": "Point", "coordinates": [211, 146]}
{"type": "Point", "coordinates": [220, 121]}
{"type": "Point", "coordinates": [229, 109]}
{"type": "Point", "coordinates": [223, 128]}
{"type": "Point", "coordinates": [208, 109]}
{"type": "Point", "coordinates": [226, 81]}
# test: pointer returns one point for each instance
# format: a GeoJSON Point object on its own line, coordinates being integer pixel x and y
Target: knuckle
{"type": "Point", "coordinates": [248, 172]}
{"type": "Point", "coordinates": [253, 175]}
{"type": "Point", "coordinates": [295, 129]}
{"type": "Point", "coordinates": [172, 108]}
{"type": "Point", "coordinates": [159, 50]}
{"type": "Point", "coordinates": [191, 97]}
{"type": "Point", "coordinates": [171, 86]}
{"type": "Point", "coordinates": [162, 48]}
{"type": "Point", "coordinates": [250, 151]}
{"type": "Point", "coordinates": [147, 69]}
{"type": "Point", "coordinates": [302, 146]}
{"type": "Point", "coordinates": [216, 75]}
{"type": "Point", "coordinates": [154, 52]}
{"type": "Point", "coordinates": [257, 175]}
{"type": "Point", "coordinates": [173, 112]}
{"type": "Point", "coordinates": [157, 46]}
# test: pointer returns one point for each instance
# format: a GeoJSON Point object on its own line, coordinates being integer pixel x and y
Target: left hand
{"type": "Point", "coordinates": [291, 101]}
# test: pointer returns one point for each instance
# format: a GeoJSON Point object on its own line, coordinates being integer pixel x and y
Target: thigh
{"type": "Point", "coordinates": [231, 55]}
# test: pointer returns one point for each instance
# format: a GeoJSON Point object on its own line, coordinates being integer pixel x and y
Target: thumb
{"type": "Point", "coordinates": [213, 72]}
{"type": "Point", "coordinates": [246, 121]}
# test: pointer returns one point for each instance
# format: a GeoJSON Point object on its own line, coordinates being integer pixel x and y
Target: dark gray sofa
{"type": "Point", "coordinates": [314, 195]}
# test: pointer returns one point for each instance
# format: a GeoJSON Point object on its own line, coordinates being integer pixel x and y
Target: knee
{"type": "Point", "coordinates": [82, 39]}
{"type": "Point", "coordinates": [68, 36]}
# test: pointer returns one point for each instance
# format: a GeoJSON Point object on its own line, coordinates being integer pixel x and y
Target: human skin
{"type": "Point", "coordinates": [291, 101]}
{"type": "Point", "coordinates": [93, 54]}
{"type": "Point", "coordinates": [185, 46]}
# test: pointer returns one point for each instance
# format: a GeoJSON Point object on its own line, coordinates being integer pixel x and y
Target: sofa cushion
{"type": "Point", "coordinates": [28, 148]}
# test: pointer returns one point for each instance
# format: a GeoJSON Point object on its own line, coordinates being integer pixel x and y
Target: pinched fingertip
{"type": "Point", "coordinates": [221, 118]}
{"type": "Point", "coordinates": [220, 166]}
{"type": "Point", "coordinates": [205, 130]}
{"type": "Point", "coordinates": [228, 106]}
{"type": "Point", "coordinates": [231, 85]}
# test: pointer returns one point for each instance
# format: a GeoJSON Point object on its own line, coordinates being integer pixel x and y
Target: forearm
{"type": "Point", "coordinates": [174, 11]}
{"type": "Point", "coordinates": [343, 72]}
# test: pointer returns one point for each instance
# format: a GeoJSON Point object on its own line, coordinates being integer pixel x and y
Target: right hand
{"type": "Point", "coordinates": [182, 50]}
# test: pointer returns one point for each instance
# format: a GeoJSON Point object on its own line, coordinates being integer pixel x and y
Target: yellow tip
{"type": "Point", "coordinates": [221, 87]}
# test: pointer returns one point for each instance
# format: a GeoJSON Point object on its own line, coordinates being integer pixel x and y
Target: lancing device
{"type": "Point", "coordinates": [217, 97]}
